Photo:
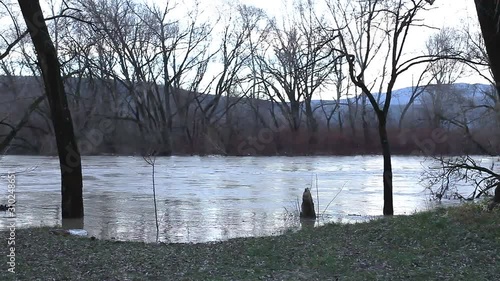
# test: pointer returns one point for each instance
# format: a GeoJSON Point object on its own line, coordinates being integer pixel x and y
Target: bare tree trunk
{"type": "Point", "coordinates": [312, 125]}
{"type": "Point", "coordinates": [352, 116]}
{"type": "Point", "coordinates": [295, 116]}
{"type": "Point", "coordinates": [386, 152]}
{"type": "Point", "coordinates": [69, 156]}
{"type": "Point", "coordinates": [341, 123]}
{"type": "Point", "coordinates": [372, 15]}
{"type": "Point", "coordinates": [488, 13]}
{"type": "Point", "coordinates": [364, 122]}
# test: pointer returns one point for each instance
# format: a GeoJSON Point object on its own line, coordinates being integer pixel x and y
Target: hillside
{"type": "Point", "coordinates": [139, 117]}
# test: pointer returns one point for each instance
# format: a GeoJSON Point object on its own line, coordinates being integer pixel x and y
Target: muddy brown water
{"type": "Point", "coordinates": [209, 198]}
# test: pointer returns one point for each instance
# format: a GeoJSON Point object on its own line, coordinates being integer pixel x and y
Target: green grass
{"type": "Point", "coordinates": [456, 243]}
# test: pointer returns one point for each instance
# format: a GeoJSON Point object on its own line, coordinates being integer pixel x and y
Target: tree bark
{"type": "Point", "coordinates": [69, 156]}
{"type": "Point", "coordinates": [312, 126]}
{"type": "Point", "coordinates": [386, 152]}
{"type": "Point", "coordinates": [488, 13]}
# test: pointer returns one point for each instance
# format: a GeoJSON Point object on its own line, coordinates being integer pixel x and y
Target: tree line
{"type": "Point", "coordinates": [184, 85]}
{"type": "Point", "coordinates": [165, 78]}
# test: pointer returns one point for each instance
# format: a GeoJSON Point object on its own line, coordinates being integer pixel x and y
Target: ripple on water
{"type": "Point", "coordinates": [211, 198]}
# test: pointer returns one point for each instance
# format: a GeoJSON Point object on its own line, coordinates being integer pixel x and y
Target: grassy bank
{"type": "Point", "coordinates": [458, 243]}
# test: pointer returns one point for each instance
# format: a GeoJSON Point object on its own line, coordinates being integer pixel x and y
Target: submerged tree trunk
{"type": "Point", "coordinates": [69, 156]}
{"type": "Point", "coordinates": [307, 210]}
{"type": "Point", "coordinates": [386, 152]}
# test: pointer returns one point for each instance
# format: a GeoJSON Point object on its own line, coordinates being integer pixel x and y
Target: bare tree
{"type": "Point", "coordinates": [442, 179]}
{"type": "Point", "coordinates": [297, 65]}
{"type": "Point", "coordinates": [453, 171]}
{"type": "Point", "coordinates": [151, 54]}
{"type": "Point", "coordinates": [11, 37]}
{"type": "Point", "coordinates": [416, 92]}
{"type": "Point", "coordinates": [450, 44]}
{"type": "Point", "coordinates": [340, 99]}
{"type": "Point", "coordinates": [8, 42]}
{"type": "Point", "coordinates": [371, 33]}
{"type": "Point", "coordinates": [69, 156]}
{"type": "Point", "coordinates": [233, 82]}
{"type": "Point", "coordinates": [472, 104]}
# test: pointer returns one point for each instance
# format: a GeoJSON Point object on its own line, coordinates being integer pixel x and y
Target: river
{"type": "Point", "coordinates": [210, 198]}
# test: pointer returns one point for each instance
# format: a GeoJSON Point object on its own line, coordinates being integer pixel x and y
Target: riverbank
{"type": "Point", "coordinates": [456, 243]}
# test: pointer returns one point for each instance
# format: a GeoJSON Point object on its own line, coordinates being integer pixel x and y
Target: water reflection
{"type": "Point", "coordinates": [209, 198]}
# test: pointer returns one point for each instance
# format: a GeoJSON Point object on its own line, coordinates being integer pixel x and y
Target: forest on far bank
{"type": "Point", "coordinates": [142, 77]}
{"type": "Point", "coordinates": [103, 115]}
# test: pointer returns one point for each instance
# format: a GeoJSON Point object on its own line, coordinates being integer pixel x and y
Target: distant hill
{"type": "Point", "coordinates": [450, 97]}
{"type": "Point", "coordinates": [139, 117]}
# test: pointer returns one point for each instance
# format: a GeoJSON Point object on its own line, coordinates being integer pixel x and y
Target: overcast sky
{"type": "Point", "coordinates": [444, 13]}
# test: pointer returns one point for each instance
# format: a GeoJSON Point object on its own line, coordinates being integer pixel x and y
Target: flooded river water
{"type": "Point", "coordinates": [209, 198]}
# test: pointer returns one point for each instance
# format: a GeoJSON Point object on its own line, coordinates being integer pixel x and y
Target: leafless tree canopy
{"type": "Point", "coordinates": [319, 79]}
